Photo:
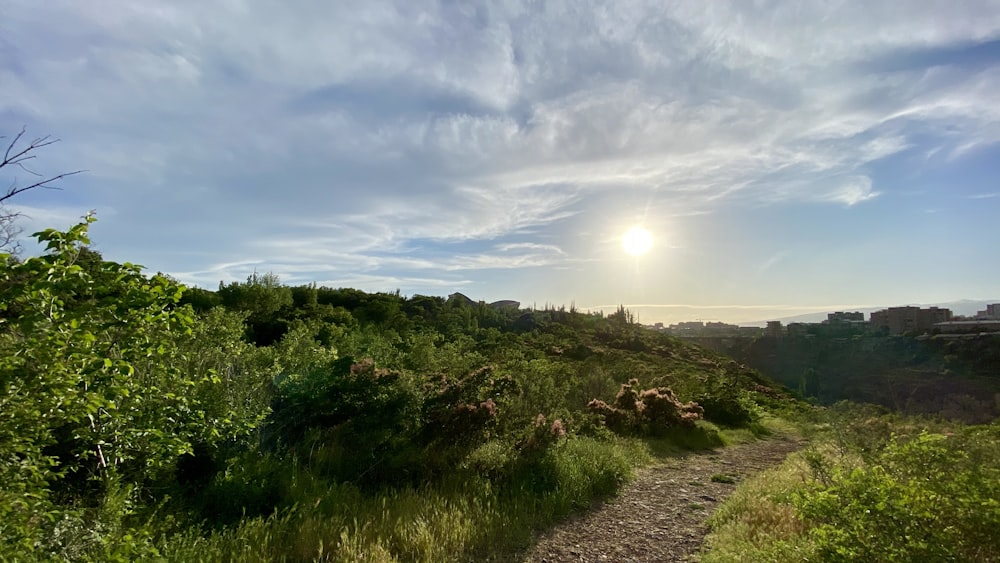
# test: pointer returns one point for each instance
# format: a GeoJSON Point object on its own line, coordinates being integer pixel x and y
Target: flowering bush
{"type": "Point", "coordinates": [462, 411]}
{"type": "Point", "coordinates": [648, 412]}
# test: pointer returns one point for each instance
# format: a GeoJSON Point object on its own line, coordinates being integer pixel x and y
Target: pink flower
{"type": "Point", "coordinates": [489, 406]}
{"type": "Point", "coordinates": [557, 429]}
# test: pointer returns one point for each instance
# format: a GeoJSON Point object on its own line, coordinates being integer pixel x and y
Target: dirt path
{"type": "Point", "coordinates": [660, 516]}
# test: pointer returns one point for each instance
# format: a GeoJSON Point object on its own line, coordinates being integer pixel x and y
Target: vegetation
{"type": "Point", "coordinates": [142, 419]}
{"type": "Point", "coordinates": [872, 487]}
{"type": "Point", "coordinates": [952, 377]}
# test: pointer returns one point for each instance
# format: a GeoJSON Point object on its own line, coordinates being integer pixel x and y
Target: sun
{"type": "Point", "coordinates": [637, 241]}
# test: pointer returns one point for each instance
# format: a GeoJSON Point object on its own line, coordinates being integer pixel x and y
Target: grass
{"type": "Point", "coordinates": [758, 522]}
{"type": "Point", "coordinates": [704, 436]}
{"type": "Point", "coordinates": [767, 425]}
{"type": "Point", "coordinates": [871, 490]}
{"type": "Point", "coordinates": [463, 517]}
{"type": "Point", "coordinates": [489, 511]}
{"type": "Point", "coordinates": [723, 478]}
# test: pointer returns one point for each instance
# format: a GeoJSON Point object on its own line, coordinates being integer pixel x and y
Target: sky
{"type": "Point", "coordinates": [786, 157]}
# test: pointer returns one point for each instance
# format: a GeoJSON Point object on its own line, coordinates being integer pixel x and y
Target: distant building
{"type": "Point", "coordinates": [709, 329]}
{"type": "Point", "coordinates": [992, 311]}
{"type": "Point", "coordinates": [774, 328]}
{"type": "Point", "coordinates": [687, 328]}
{"type": "Point", "coordinates": [460, 298]}
{"type": "Point", "coordinates": [900, 320]}
{"type": "Point", "coordinates": [843, 317]}
{"type": "Point", "coordinates": [463, 299]}
{"type": "Point", "coordinates": [721, 329]}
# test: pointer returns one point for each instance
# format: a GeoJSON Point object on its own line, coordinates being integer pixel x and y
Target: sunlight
{"type": "Point", "coordinates": [637, 241]}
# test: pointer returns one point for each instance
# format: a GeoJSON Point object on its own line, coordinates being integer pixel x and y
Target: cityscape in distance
{"type": "Point", "coordinates": [962, 318]}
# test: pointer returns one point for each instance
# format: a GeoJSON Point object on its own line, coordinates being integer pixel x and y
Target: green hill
{"type": "Point", "coordinates": [142, 419]}
{"type": "Point", "coordinates": [958, 378]}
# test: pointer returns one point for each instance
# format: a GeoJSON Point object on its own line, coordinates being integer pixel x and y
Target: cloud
{"type": "Point", "coordinates": [327, 139]}
{"type": "Point", "coordinates": [854, 191]}
{"type": "Point", "coordinates": [771, 262]}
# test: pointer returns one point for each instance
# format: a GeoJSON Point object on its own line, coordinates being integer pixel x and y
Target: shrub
{"type": "Point", "coordinates": [652, 411]}
{"type": "Point", "coordinates": [348, 418]}
{"type": "Point", "coordinates": [927, 498]}
{"type": "Point", "coordinates": [730, 410]}
{"type": "Point", "coordinates": [95, 388]}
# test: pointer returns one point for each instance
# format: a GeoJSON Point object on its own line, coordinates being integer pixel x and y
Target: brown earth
{"type": "Point", "coordinates": [660, 516]}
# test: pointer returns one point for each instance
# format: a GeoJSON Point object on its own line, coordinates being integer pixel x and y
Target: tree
{"type": "Point", "coordinates": [103, 381]}
{"type": "Point", "coordinates": [17, 156]}
{"type": "Point", "coordinates": [263, 299]}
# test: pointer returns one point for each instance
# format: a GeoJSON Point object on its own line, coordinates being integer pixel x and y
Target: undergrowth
{"type": "Point", "coordinates": [870, 488]}
{"type": "Point", "coordinates": [142, 420]}
{"type": "Point", "coordinates": [465, 516]}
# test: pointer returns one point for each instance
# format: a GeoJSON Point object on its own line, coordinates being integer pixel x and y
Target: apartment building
{"type": "Point", "coordinates": [900, 320]}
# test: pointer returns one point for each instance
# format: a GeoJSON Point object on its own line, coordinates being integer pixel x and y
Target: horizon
{"type": "Point", "coordinates": [695, 160]}
{"type": "Point", "coordinates": [647, 314]}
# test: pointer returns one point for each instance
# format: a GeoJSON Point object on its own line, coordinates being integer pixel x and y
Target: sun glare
{"type": "Point", "coordinates": [637, 241]}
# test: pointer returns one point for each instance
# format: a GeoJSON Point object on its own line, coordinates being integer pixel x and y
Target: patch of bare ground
{"type": "Point", "coordinates": [660, 516]}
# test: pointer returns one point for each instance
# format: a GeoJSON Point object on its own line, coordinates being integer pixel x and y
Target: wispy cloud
{"type": "Point", "coordinates": [771, 262]}
{"type": "Point", "coordinates": [327, 140]}
{"type": "Point", "coordinates": [854, 191]}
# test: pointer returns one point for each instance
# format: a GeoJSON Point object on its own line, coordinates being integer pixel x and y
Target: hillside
{"type": "Point", "coordinates": [956, 378]}
{"type": "Point", "coordinates": [143, 419]}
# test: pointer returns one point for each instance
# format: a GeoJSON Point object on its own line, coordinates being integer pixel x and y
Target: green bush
{"type": "Point", "coordinates": [929, 498]}
{"type": "Point", "coordinates": [730, 409]}
{"type": "Point", "coordinates": [346, 419]}
{"type": "Point", "coordinates": [96, 391]}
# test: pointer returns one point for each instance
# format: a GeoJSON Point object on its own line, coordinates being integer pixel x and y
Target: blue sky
{"type": "Point", "coordinates": [788, 157]}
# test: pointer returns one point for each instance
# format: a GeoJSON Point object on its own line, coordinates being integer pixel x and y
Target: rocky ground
{"type": "Point", "coordinates": [660, 516]}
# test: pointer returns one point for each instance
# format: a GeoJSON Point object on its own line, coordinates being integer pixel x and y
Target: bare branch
{"type": "Point", "coordinates": [10, 156]}
{"type": "Point", "coordinates": [13, 190]}
{"type": "Point", "coordinates": [15, 156]}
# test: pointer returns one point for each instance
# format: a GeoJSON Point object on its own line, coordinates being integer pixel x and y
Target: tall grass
{"type": "Point", "coordinates": [465, 516]}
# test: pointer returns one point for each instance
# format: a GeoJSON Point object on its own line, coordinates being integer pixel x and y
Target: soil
{"type": "Point", "coordinates": [659, 516]}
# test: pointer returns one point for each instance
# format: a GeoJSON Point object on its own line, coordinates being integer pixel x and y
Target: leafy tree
{"type": "Point", "coordinates": [93, 386]}
{"type": "Point", "coordinates": [262, 297]}
{"type": "Point", "coordinates": [201, 300]}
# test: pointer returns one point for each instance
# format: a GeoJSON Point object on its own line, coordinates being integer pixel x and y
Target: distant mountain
{"type": "Point", "coordinates": [960, 307]}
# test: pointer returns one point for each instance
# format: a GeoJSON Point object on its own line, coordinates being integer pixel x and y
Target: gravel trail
{"type": "Point", "coordinates": [659, 516]}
